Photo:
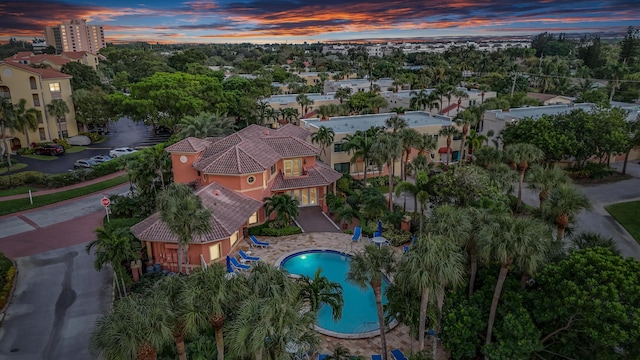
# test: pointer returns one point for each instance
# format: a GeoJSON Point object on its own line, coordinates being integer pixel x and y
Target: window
{"type": "Point", "coordinates": [337, 147]}
{"type": "Point", "coordinates": [39, 117]}
{"type": "Point", "coordinates": [292, 167]}
{"type": "Point", "coordinates": [214, 252]}
{"type": "Point", "coordinates": [273, 169]}
{"type": "Point", "coordinates": [253, 218]}
{"type": "Point", "coordinates": [344, 168]}
{"type": "Point", "coordinates": [36, 100]}
{"type": "Point", "coordinates": [54, 87]}
{"type": "Point", "coordinates": [233, 238]}
{"type": "Point", "coordinates": [251, 179]}
{"type": "Point", "coordinates": [42, 134]}
{"type": "Point", "coordinates": [32, 82]}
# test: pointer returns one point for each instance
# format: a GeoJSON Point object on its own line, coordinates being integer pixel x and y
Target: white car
{"type": "Point", "coordinates": [121, 151]}
{"type": "Point", "coordinates": [101, 158]}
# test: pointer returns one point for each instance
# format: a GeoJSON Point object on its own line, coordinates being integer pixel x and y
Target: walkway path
{"type": "Point", "coordinates": [312, 219]}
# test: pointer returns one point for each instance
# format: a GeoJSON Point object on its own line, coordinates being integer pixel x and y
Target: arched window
{"type": "Point", "coordinates": [32, 82]}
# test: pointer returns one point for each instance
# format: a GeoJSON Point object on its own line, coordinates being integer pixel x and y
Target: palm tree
{"type": "Point", "coordinates": [565, 202]}
{"type": "Point", "coordinates": [460, 94]}
{"type": "Point", "coordinates": [508, 241]}
{"type": "Point", "coordinates": [156, 158]}
{"type": "Point", "coordinates": [449, 132]}
{"type": "Point", "coordinates": [185, 216]}
{"type": "Point", "coordinates": [466, 119]}
{"type": "Point", "coordinates": [419, 163]}
{"type": "Point", "coordinates": [520, 156]}
{"type": "Point", "coordinates": [376, 102]}
{"type": "Point", "coordinates": [284, 206]}
{"type": "Point", "coordinates": [395, 123]}
{"type": "Point", "coordinates": [324, 112]}
{"type": "Point", "coordinates": [170, 291]}
{"type": "Point", "coordinates": [369, 268]}
{"type": "Point", "coordinates": [58, 108]}
{"type": "Point", "coordinates": [342, 94]}
{"type": "Point", "coordinates": [304, 102]}
{"type": "Point", "coordinates": [261, 111]}
{"type": "Point", "coordinates": [431, 265]}
{"type": "Point", "coordinates": [360, 145]}
{"type": "Point", "coordinates": [442, 90]}
{"type": "Point", "coordinates": [427, 144]}
{"type": "Point", "coordinates": [586, 240]}
{"type": "Point", "coordinates": [205, 125]}
{"type": "Point", "coordinates": [388, 148]}
{"type": "Point", "coordinates": [135, 328]}
{"type": "Point", "coordinates": [207, 300]}
{"type": "Point", "coordinates": [320, 290]}
{"type": "Point", "coordinates": [6, 122]}
{"type": "Point", "coordinates": [323, 137]}
{"type": "Point", "coordinates": [617, 72]}
{"type": "Point", "coordinates": [115, 248]}
{"type": "Point", "coordinates": [25, 119]}
{"type": "Point", "coordinates": [476, 140]}
{"type": "Point", "coordinates": [546, 178]}
{"type": "Point", "coordinates": [340, 353]}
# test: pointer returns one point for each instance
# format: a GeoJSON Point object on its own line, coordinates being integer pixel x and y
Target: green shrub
{"type": "Point", "coordinates": [94, 137]}
{"type": "Point", "coordinates": [290, 230]}
{"type": "Point", "coordinates": [63, 142]}
{"type": "Point", "coordinates": [7, 273]}
{"type": "Point", "coordinates": [121, 223]}
{"type": "Point", "coordinates": [590, 170]}
{"type": "Point", "coordinates": [397, 237]}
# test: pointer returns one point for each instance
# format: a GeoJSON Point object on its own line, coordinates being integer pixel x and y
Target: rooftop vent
{"type": "Point", "coordinates": [266, 132]}
{"type": "Point", "coordinates": [216, 192]}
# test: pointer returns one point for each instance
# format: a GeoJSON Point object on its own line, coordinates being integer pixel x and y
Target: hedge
{"type": "Point", "coordinates": [7, 273]}
{"type": "Point", "coordinates": [265, 230]}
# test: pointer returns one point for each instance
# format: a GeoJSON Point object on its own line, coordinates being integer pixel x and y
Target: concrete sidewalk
{"type": "Point", "coordinates": [65, 188]}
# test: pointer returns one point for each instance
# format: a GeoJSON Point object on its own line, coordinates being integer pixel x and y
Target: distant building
{"type": "Point", "coordinates": [74, 36]}
{"type": "Point", "coordinates": [39, 46]}
{"type": "Point", "coordinates": [56, 61]}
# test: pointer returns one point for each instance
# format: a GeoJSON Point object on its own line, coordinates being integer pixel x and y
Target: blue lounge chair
{"type": "Point", "coordinates": [357, 232]}
{"type": "Point", "coordinates": [256, 242]}
{"type": "Point", "coordinates": [246, 257]}
{"type": "Point", "coordinates": [377, 234]}
{"type": "Point", "coordinates": [322, 356]}
{"type": "Point", "coordinates": [398, 355]}
{"type": "Point", "coordinates": [237, 265]}
{"type": "Point", "coordinates": [376, 357]}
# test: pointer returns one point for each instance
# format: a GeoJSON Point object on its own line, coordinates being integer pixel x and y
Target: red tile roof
{"type": "Point", "coordinates": [74, 54]}
{"type": "Point", "coordinates": [44, 73]}
{"type": "Point", "coordinates": [229, 211]}
{"type": "Point", "coordinates": [188, 145]}
{"type": "Point", "coordinates": [319, 175]}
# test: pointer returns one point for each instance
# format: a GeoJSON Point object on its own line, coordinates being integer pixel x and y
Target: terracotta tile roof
{"type": "Point", "coordinates": [229, 211]}
{"type": "Point", "coordinates": [254, 149]}
{"type": "Point", "coordinates": [74, 54]}
{"type": "Point", "coordinates": [44, 73]}
{"type": "Point", "coordinates": [188, 145]}
{"type": "Point", "coordinates": [37, 59]}
{"type": "Point", "coordinates": [291, 147]}
{"type": "Point", "coordinates": [319, 175]}
{"type": "Point", "coordinates": [21, 55]}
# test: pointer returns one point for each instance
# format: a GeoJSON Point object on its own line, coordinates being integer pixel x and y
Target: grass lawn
{"type": "Point", "coordinates": [41, 157]}
{"type": "Point", "coordinates": [13, 167]}
{"type": "Point", "coordinates": [75, 149]}
{"type": "Point", "coordinates": [17, 190]}
{"type": "Point", "coordinates": [13, 206]}
{"type": "Point", "coordinates": [627, 214]}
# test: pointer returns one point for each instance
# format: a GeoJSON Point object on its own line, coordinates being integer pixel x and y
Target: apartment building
{"type": "Point", "coordinates": [289, 101]}
{"type": "Point", "coordinates": [39, 87]}
{"type": "Point", "coordinates": [448, 107]}
{"type": "Point", "coordinates": [356, 85]}
{"type": "Point", "coordinates": [340, 160]}
{"type": "Point", "coordinates": [75, 35]}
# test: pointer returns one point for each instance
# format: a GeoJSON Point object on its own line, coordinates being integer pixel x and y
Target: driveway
{"type": "Point", "coordinates": [122, 133]}
{"type": "Point", "coordinates": [57, 299]}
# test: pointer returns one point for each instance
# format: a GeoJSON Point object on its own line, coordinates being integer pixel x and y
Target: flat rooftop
{"type": "Point", "coordinates": [351, 124]}
{"type": "Point", "coordinates": [289, 98]}
{"type": "Point", "coordinates": [537, 111]}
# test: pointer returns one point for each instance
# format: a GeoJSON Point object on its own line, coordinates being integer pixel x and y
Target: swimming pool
{"type": "Point", "coordinates": [359, 317]}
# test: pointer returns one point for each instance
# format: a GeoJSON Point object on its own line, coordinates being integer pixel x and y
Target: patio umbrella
{"type": "Point", "coordinates": [229, 267]}
{"type": "Point", "coordinates": [380, 226]}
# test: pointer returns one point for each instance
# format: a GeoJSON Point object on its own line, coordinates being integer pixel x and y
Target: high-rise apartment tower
{"type": "Point", "coordinates": [75, 35]}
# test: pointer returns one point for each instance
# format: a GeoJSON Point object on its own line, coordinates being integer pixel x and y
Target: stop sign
{"type": "Point", "coordinates": [105, 201]}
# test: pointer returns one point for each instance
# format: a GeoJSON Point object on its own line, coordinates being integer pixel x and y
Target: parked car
{"type": "Point", "coordinates": [101, 158]}
{"type": "Point", "coordinates": [121, 151]}
{"type": "Point", "coordinates": [49, 149]}
{"type": "Point", "coordinates": [84, 164]}
{"type": "Point", "coordinates": [97, 129]}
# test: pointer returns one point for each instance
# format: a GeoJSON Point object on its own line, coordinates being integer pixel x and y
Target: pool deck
{"type": "Point", "coordinates": [397, 338]}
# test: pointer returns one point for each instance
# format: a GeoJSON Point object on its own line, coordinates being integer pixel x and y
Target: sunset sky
{"type": "Point", "coordinates": [269, 21]}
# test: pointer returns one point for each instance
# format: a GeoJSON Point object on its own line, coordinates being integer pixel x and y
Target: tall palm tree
{"type": "Point", "coordinates": [441, 90]}
{"type": "Point", "coordinates": [449, 132]}
{"type": "Point", "coordinates": [466, 120]}
{"type": "Point", "coordinates": [520, 156]}
{"type": "Point", "coordinates": [368, 268]}
{"type": "Point", "coordinates": [6, 122]}
{"type": "Point", "coordinates": [360, 145]}
{"type": "Point", "coordinates": [544, 179]}
{"type": "Point", "coordinates": [205, 125]}
{"type": "Point", "coordinates": [565, 202]}
{"type": "Point", "coordinates": [285, 208]}
{"type": "Point", "coordinates": [460, 94]}
{"type": "Point", "coordinates": [409, 138]}
{"type": "Point", "coordinates": [428, 144]}
{"type": "Point", "coordinates": [342, 94]}
{"type": "Point", "coordinates": [388, 149]}
{"type": "Point", "coordinates": [115, 248]}
{"type": "Point", "coordinates": [207, 300]}
{"type": "Point", "coordinates": [135, 328]}
{"type": "Point", "coordinates": [419, 163]}
{"type": "Point", "coordinates": [323, 137]}
{"type": "Point", "coordinates": [395, 123]}
{"type": "Point", "coordinates": [185, 216]}
{"type": "Point", "coordinates": [432, 264]}
{"type": "Point", "coordinates": [304, 102]}
{"type": "Point", "coordinates": [25, 119]}
{"type": "Point", "coordinates": [170, 291]}
{"type": "Point", "coordinates": [508, 240]}
{"type": "Point", "coordinates": [156, 158]}
{"type": "Point", "coordinates": [58, 108]}
{"type": "Point", "coordinates": [320, 290]}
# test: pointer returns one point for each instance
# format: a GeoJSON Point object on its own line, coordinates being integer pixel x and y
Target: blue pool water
{"type": "Point", "coordinates": [359, 311]}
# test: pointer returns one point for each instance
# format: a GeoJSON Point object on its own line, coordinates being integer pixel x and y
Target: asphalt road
{"type": "Point", "coordinates": [57, 299]}
{"type": "Point", "coordinates": [122, 133]}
